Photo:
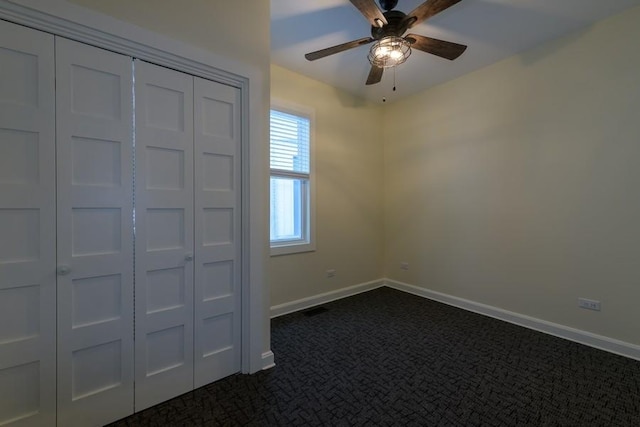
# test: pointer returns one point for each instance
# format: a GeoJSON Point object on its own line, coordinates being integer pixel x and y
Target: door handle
{"type": "Point", "coordinates": [188, 257]}
{"type": "Point", "coordinates": [63, 270]}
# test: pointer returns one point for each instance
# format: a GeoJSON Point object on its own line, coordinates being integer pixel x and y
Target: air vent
{"type": "Point", "coordinates": [314, 311]}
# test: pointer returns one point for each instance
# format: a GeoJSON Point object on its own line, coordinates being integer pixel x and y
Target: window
{"type": "Point", "coordinates": [291, 219]}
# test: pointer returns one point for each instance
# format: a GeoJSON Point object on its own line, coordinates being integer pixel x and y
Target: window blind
{"type": "Point", "coordinates": [289, 136]}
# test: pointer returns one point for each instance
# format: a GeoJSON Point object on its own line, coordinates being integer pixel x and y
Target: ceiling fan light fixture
{"type": "Point", "coordinates": [389, 51]}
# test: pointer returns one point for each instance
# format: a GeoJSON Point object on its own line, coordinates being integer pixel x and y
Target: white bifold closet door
{"type": "Point", "coordinates": [67, 228]}
{"type": "Point", "coordinates": [95, 234]}
{"type": "Point", "coordinates": [27, 227]}
{"type": "Point", "coordinates": [217, 231]}
{"type": "Point", "coordinates": [187, 232]}
{"type": "Point", "coordinates": [164, 233]}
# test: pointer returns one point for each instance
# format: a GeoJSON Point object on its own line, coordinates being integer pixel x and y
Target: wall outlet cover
{"type": "Point", "coordinates": [589, 304]}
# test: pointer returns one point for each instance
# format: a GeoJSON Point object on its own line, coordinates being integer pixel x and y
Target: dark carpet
{"type": "Point", "coordinates": [387, 358]}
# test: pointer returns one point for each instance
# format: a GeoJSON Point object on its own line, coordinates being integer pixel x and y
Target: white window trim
{"type": "Point", "coordinates": [288, 248]}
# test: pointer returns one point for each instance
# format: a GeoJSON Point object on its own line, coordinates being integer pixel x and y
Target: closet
{"type": "Point", "coordinates": [119, 231]}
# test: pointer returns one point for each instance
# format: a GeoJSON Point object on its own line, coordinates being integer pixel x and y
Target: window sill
{"type": "Point", "coordinates": [292, 249]}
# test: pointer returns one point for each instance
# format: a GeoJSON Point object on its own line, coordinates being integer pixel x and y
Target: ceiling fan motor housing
{"type": "Point", "coordinates": [395, 25]}
{"type": "Point", "coordinates": [388, 4]}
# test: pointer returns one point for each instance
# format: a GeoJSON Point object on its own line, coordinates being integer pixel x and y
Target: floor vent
{"type": "Point", "coordinates": [314, 311]}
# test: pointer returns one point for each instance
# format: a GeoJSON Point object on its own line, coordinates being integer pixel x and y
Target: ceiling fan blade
{"type": "Point", "coordinates": [375, 75]}
{"type": "Point", "coordinates": [312, 56]}
{"type": "Point", "coordinates": [427, 10]}
{"type": "Point", "coordinates": [371, 11]}
{"type": "Point", "coordinates": [441, 48]}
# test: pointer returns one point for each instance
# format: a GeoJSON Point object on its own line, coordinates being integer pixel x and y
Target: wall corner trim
{"type": "Point", "coordinates": [268, 360]}
{"type": "Point", "coordinates": [600, 342]}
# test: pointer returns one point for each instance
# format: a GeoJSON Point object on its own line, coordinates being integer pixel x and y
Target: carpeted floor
{"type": "Point", "coordinates": [393, 359]}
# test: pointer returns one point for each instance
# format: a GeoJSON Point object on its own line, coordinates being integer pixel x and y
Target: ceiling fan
{"type": "Point", "coordinates": [387, 28]}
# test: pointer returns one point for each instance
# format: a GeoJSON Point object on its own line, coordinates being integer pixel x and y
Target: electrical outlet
{"type": "Point", "coordinates": [331, 273]}
{"type": "Point", "coordinates": [589, 304]}
{"type": "Point", "coordinates": [404, 266]}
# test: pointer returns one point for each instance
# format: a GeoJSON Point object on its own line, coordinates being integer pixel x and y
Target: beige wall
{"type": "Point", "coordinates": [238, 29]}
{"type": "Point", "coordinates": [349, 185]}
{"type": "Point", "coordinates": [517, 185]}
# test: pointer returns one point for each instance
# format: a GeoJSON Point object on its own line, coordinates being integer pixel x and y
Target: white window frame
{"type": "Point", "coordinates": [308, 244]}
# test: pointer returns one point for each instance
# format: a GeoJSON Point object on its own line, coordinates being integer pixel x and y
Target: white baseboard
{"type": "Point", "coordinates": [268, 360]}
{"type": "Point", "coordinates": [600, 342]}
{"type": "Point", "coordinates": [611, 345]}
{"type": "Point", "coordinates": [301, 304]}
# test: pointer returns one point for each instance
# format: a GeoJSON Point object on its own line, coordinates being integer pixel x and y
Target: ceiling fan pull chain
{"type": "Point", "coordinates": [394, 78]}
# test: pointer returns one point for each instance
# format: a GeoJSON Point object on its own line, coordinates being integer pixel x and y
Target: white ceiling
{"type": "Point", "coordinates": [492, 30]}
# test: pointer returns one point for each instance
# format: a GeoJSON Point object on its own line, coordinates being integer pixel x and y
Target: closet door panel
{"type": "Point", "coordinates": [164, 234]}
{"type": "Point", "coordinates": [217, 234]}
{"type": "Point", "coordinates": [27, 227]}
{"type": "Point", "coordinates": [95, 234]}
